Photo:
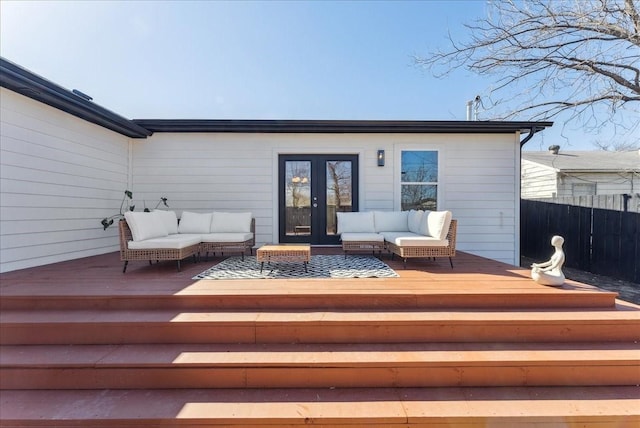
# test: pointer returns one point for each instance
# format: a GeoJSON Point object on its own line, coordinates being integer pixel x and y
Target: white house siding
{"type": "Point", "coordinates": [59, 175]}
{"type": "Point", "coordinates": [606, 183]}
{"type": "Point", "coordinates": [538, 181]}
{"type": "Point", "coordinates": [480, 187]}
{"type": "Point", "coordinates": [238, 172]}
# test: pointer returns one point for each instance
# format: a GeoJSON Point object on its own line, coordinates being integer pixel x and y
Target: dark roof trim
{"type": "Point", "coordinates": [339, 126]}
{"type": "Point", "coordinates": [31, 85]}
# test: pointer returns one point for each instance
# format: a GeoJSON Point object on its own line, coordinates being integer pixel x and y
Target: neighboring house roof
{"type": "Point", "coordinates": [24, 82]}
{"type": "Point", "coordinates": [586, 161]}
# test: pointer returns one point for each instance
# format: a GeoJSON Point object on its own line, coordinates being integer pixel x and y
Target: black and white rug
{"type": "Point", "coordinates": [353, 266]}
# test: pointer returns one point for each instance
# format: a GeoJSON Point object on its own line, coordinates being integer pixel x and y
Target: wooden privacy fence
{"type": "Point", "coordinates": [604, 242]}
{"type": "Point", "coordinates": [623, 202]}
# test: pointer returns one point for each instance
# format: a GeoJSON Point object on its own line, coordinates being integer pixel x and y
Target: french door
{"type": "Point", "coordinates": [312, 189]}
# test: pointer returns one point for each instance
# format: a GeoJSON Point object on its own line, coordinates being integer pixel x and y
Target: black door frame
{"type": "Point", "coordinates": [318, 190]}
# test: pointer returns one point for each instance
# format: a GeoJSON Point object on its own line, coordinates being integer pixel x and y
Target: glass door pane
{"type": "Point", "coordinates": [312, 189]}
{"type": "Point", "coordinates": [339, 191]}
{"type": "Point", "coordinates": [297, 198]}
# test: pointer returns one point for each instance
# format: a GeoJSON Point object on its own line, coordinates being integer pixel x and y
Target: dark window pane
{"type": "Point", "coordinates": [419, 166]}
{"type": "Point", "coordinates": [338, 191]}
{"type": "Point", "coordinates": [298, 197]}
{"type": "Point", "coordinates": [419, 197]}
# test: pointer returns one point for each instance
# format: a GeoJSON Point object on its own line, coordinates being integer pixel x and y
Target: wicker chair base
{"type": "Point", "coordinates": [231, 247]}
{"type": "Point", "coordinates": [226, 247]}
{"type": "Point", "coordinates": [362, 246]}
{"type": "Point", "coordinates": [428, 252]}
{"type": "Point", "coordinates": [158, 254]}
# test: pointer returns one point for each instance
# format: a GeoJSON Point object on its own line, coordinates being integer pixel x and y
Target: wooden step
{"type": "Point", "coordinates": [375, 293]}
{"type": "Point", "coordinates": [121, 327]}
{"type": "Point", "coordinates": [476, 344]}
{"type": "Point", "coordinates": [354, 408]}
{"type": "Point", "coordinates": [318, 366]}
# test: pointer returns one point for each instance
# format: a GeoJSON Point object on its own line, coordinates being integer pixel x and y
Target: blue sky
{"type": "Point", "coordinates": [253, 60]}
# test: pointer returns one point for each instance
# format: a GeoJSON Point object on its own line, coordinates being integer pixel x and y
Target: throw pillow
{"type": "Point", "coordinates": [169, 219]}
{"type": "Point", "coordinates": [230, 222]}
{"type": "Point", "coordinates": [145, 225]}
{"type": "Point", "coordinates": [194, 222]}
{"type": "Point", "coordinates": [391, 221]}
{"type": "Point", "coordinates": [438, 223]}
{"type": "Point", "coordinates": [413, 221]}
{"type": "Point", "coordinates": [355, 222]}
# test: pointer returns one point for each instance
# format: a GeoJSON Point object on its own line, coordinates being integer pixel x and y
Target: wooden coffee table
{"type": "Point", "coordinates": [292, 253]}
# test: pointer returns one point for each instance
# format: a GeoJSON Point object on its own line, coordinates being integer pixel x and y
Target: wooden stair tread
{"type": "Point", "coordinates": [304, 407]}
{"type": "Point", "coordinates": [323, 355]}
{"type": "Point", "coordinates": [175, 326]}
{"type": "Point", "coordinates": [320, 316]}
{"type": "Point", "coordinates": [327, 365]}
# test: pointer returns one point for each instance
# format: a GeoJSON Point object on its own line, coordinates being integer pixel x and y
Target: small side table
{"type": "Point", "coordinates": [292, 253]}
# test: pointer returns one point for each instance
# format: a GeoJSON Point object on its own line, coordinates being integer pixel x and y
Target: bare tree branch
{"type": "Point", "coordinates": [550, 57]}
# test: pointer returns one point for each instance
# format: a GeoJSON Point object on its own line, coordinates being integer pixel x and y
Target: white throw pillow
{"type": "Point", "coordinates": [438, 223]}
{"type": "Point", "coordinates": [423, 228]}
{"type": "Point", "coordinates": [145, 225]}
{"type": "Point", "coordinates": [413, 220]}
{"type": "Point", "coordinates": [230, 222]}
{"type": "Point", "coordinates": [391, 221]}
{"type": "Point", "coordinates": [169, 219]}
{"type": "Point", "coordinates": [355, 222]}
{"type": "Point", "coordinates": [194, 222]}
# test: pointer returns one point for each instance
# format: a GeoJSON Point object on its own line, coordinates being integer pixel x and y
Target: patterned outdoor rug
{"type": "Point", "coordinates": [352, 266]}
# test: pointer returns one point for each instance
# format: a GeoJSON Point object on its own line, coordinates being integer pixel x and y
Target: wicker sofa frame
{"type": "Point", "coordinates": [428, 251]}
{"type": "Point", "coordinates": [222, 247]}
{"type": "Point", "coordinates": [362, 246]}
{"type": "Point", "coordinates": [167, 254]}
{"type": "Point", "coordinates": [158, 254]}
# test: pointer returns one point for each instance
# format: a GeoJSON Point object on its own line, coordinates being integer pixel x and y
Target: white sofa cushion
{"type": "Point", "coordinates": [194, 222]}
{"type": "Point", "coordinates": [437, 223]}
{"type": "Point", "coordinates": [171, 242]}
{"type": "Point", "coordinates": [410, 239]}
{"type": "Point", "coordinates": [227, 237]}
{"type": "Point", "coordinates": [169, 219]}
{"type": "Point", "coordinates": [145, 225]}
{"type": "Point", "coordinates": [230, 222]}
{"type": "Point", "coordinates": [355, 222]}
{"type": "Point", "coordinates": [414, 218]}
{"type": "Point", "coordinates": [391, 221]}
{"type": "Point", "coordinates": [361, 236]}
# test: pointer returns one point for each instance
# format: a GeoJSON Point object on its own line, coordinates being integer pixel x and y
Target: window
{"type": "Point", "coordinates": [419, 181]}
{"type": "Point", "coordinates": [583, 189]}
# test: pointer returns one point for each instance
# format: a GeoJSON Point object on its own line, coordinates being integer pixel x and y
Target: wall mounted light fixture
{"type": "Point", "coordinates": [380, 157]}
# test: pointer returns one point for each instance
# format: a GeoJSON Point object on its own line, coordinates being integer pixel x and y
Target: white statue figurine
{"type": "Point", "coordinates": [550, 272]}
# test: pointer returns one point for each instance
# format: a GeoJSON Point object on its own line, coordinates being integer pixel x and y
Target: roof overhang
{"type": "Point", "coordinates": [24, 82]}
{"type": "Point", "coordinates": [340, 126]}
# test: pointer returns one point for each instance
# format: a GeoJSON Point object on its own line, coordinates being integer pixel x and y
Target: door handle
{"type": "Point", "coordinates": [315, 205]}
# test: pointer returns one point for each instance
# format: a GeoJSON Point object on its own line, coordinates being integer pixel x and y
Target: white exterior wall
{"type": "Point", "coordinates": [606, 183]}
{"type": "Point", "coordinates": [238, 172]}
{"type": "Point", "coordinates": [59, 175]}
{"type": "Point", "coordinates": [538, 181]}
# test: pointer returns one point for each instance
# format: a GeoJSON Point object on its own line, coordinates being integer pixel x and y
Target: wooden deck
{"type": "Point", "coordinates": [473, 282]}
{"type": "Point", "coordinates": [82, 344]}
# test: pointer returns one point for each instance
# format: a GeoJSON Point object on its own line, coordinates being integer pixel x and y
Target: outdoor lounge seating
{"type": "Point", "coordinates": [159, 236]}
{"type": "Point", "coordinates": [405, 233]}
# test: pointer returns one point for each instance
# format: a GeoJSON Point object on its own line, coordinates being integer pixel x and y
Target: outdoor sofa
{"type": "Point", "coordinates": [158, 235]}
{"type": "Point", "coordinates": [408, 234]}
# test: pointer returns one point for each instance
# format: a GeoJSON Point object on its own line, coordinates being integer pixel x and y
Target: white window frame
{"type": "Point", "coordinates": [437, 184]}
